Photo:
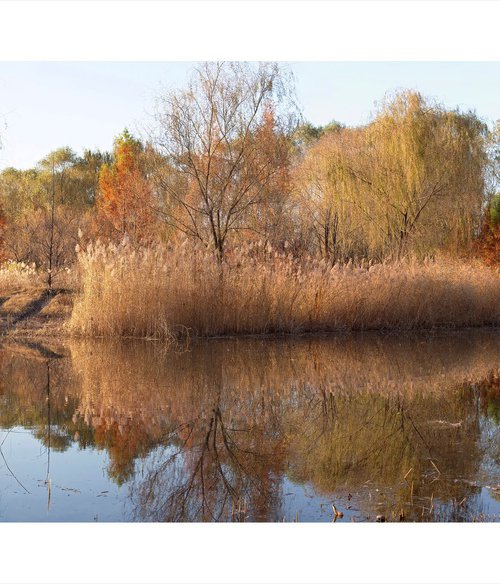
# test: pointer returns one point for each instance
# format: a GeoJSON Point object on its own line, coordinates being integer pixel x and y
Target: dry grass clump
{"type": "Point", "coordinates": [158, 292]}
{"type": "Point", "coordinates": [17, 276]}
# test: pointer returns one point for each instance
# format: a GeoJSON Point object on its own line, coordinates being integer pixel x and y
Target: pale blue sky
{"type": "Point", "coordinates": [45, 105]}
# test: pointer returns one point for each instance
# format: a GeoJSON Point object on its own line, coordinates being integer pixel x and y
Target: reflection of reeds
{"type": "Point", "coordinates": [140, 380]}
{"type": "Point", "coordinates": [118, 381]}
{"type": "Point", "coordinates": [163, 293]}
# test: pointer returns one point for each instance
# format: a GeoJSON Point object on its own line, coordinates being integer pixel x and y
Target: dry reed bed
{"type": "Point", "coordinates": [161, 293]}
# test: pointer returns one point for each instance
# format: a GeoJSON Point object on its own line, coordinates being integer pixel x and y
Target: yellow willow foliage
{"type": "Point", "coordinates": [339, 225]}
{"type": "Point", "coordinates": [411, 180]}
{"type": "Point", "coordinates": [165, 293]}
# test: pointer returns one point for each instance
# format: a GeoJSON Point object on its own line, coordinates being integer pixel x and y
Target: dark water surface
{"type": "Point", "coordinates": [394, 427]}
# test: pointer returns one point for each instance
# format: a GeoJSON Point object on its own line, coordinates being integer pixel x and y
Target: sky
{"type": "Point", "coordinates": [47, 105]}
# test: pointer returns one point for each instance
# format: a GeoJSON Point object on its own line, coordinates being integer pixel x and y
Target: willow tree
{"type": "Point", "coordinates": [412, 180]}
{"type": "Point", "coordinates": [335, 223]}
{"type": "Point", "coordinates": [424, 170]}
{"type": "Point", "coordinates": [21, 191]}
{"type": "Point", "coordinates": [211, 135]}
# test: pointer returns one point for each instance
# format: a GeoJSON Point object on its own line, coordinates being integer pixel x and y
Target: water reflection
{"type": "Point", "coordinates": [403, 428]}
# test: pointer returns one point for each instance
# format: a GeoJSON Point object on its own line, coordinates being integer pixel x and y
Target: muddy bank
{"type": "Point", "coordinates": [35, 312]}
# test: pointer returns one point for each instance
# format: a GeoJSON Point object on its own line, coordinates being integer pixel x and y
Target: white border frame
{"type": "Point", "coordinates": [272, 30]}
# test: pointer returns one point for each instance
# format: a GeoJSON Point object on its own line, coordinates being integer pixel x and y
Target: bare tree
{"type": "Point", "coordinates": [209, 134]}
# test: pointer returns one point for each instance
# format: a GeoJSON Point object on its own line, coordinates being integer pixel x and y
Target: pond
{"type": "Point", "coordinates": [359, 427]}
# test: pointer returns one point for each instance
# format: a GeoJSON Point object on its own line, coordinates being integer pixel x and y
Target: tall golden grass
{"type": "Point", "coordinates": [158, 292]}
{"type": "Point", "coordinates": [16, 276]}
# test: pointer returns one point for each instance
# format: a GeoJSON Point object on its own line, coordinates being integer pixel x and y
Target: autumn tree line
{"type": "Point", "coordinates": [230, 161]}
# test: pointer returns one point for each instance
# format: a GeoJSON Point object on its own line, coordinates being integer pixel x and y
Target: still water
{"type": "Point", "coordinates": [394, 428]}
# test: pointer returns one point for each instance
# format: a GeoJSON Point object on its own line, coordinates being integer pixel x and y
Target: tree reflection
{"type": "Point", "coordinates": [215, 467]}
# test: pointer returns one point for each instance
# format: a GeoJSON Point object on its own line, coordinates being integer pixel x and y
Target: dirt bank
{"type": "Point", "coordinates": [34, 312]}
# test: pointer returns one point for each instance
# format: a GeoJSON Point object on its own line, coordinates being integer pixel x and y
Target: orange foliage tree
{"type": "Point", "coordinates": [269, 174]}
{"type": "Point", "coordinates": [126, 201]}
{"type": "Point", "coordinates": [489, 240]}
